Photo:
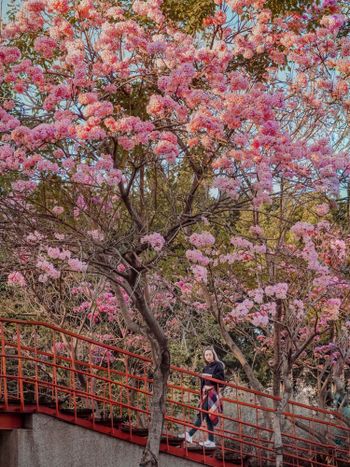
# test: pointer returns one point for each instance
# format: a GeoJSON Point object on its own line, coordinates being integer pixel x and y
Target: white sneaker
{"type": "Point", "coordinates": [186, 436]}
{"type": "Point", "coordinates": [208, 444]}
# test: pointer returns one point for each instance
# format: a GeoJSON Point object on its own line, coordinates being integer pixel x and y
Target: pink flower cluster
{"type": "Point", "coordinates": [9, 55]}
{"type": "Point", "coordinates": [184, 286]}
{"type": "Point", "coordinates": [56, 95]}
{"type": "Point", "coordinates": [227, 185]}
{"type": "Point", "coordinates": [338, 249]}
{"type": "Point", "coordinates": [58, 210]}
{"type": "Point", "coordinates": [76, 265]}
{"type": "Point", "coordinates": [96, 235]}
{"type": "Point", "coordinates": [7, 121]}
{"type": "Point", "coordinates": [35, 6]}
{"type": "Point", "coordinates": [277, 290]}
{"type": "Point", "coordinates": [59, 6]}
{"type": "Point", "coordinates": [302, 229]}
{"type": "Point", "coordinates": [24, 186]}
{"type": "Point", "coordinates": [49, 270]}
{"type": "Point", "coordinates": [322, 209]}
{"type": "Point", "coordinates": [196, 256]}
{"type": "Point", "coordinates": [101, 355]}
{"type": "Point", "coordinates": [257, 295]}
{"type": "Point", "coordinates": [166, 145]}
{"type": "Point", "coordinates": [204, 121]}
{"type": "Point", "coordinates": [45, 46]}
{"type": "Point", "coordinates": [150, 9]}
{"type": "Point", "coordinates": [16, 278]}
{"type": "Point", "coordinates": [245, 245]}
{"type": "Point", "coordinates": [134, 131]}
{"type": "Point", "coordinates": [9, 159]}
{"type": "Point", "coordinates": [99, 109]}
{"type": "Point", "coordinates": [99, 174]}
{"type": "Point", "coordinates": [333, 22]}
{"type": "Point", "coordinates": [34, 237]}
{"type": "Point", "coordinates": [241, 310]}
{"type": "Point", "coordinates": [58, 253]}
{"type": "Point", "coordinates": [202, 240]}
{"type": "Point", "coordinates": [179, 79]}
{"type": "Point", "coordinates": [156, 240]}
{"type": "Point", "coordinates": [107, 303]}
{"type": "Point", "coordinates": [331, 309]}
{"type": "Point", "coordinates": [162, 106]}
{"type": "Point", "coordinates": [298, 308]}
{"type": "Point", "coordinates": [260, 319]}
{"type": "Point", "coordinates": [200, 273]}
{"type": "Point", "coordinates": [43, 133]}
{"type": "Point", "coordinates": [256, 230]}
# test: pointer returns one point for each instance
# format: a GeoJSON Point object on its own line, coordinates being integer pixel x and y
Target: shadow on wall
{"type": "Point", "coordinates": [47, 442]}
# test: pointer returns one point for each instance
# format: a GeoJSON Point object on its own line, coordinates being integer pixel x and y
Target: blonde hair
{"type": "Point", "coordinates": [215, 355]}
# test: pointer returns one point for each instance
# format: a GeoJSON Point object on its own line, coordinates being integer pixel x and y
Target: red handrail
{"type": "Point", "coordinates": [114, 387]}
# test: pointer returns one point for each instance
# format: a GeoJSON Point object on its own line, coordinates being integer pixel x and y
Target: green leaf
{"type": "Point", "coordinates": [189, 13]}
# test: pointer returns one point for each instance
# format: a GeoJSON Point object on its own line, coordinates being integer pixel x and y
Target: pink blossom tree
{"type": "Point", "coordinates": [122, 136]}
{"type": "Point", "coordinates": [286, 290]}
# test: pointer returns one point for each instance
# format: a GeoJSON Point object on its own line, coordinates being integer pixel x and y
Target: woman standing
{"type": "Point", "coordinates": [210, 399]}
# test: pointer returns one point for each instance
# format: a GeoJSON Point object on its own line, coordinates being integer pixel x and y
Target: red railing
{"type": "Point", "coordinates": [108, 389]}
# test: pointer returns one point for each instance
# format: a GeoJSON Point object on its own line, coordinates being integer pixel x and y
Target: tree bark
{"type": "Point", "coordinates": [161, 362]}
{"type": "Point", "coordinates": [161, 359]}
{"type": "Point", "coordinates": [277, 415]}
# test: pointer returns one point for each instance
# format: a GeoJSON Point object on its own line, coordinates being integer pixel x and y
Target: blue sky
{"type": "Point", "coordinates": [4, 7]}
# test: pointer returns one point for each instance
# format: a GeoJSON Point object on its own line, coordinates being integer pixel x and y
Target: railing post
{"type": "Point", "coordinates": [54, 372]}
{"type": "Point", "coordinates": [36, 377]}
{"type": "Point", "coordinates": [90, 386]}
{"type": "Point", "coordinates": [138, 395]}
{"type": "Point", "coordinates": [128, 394]}
{"type": "Point", "coordinates": [20, 367]}
{"type": "Point", "coordinates": [257, 421]}
{"type": "Point", "coordinates": [111, 414]}
{"type": "Point", "coordinates": [222, 428]}
{"type": "Point", "coordinates": [182, 401]}
{"type": "Point", "coordinates": [72, 373]}
{"type": "Point", "coordinates": [3, 361]}
{"type": "Point", "coordinates": [120, 393]}
{"type": "Point", "coordinates": [239, 417]}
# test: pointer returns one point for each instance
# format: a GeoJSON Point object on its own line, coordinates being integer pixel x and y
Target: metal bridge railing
{"type": "Point", "coordinates": [43, 366]}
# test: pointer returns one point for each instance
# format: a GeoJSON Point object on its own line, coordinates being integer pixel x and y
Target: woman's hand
{"type": "Point", "coordinates": [207, 389]}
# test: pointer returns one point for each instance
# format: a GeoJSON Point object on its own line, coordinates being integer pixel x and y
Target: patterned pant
{"type": "Point", "coordinates": [199, 419]}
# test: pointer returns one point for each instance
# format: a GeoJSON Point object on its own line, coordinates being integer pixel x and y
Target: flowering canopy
{"type": "Point", "coordinates": [121, 133]}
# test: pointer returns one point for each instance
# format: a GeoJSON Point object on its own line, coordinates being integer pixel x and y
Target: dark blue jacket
{"type": "Point", "coordinates": [215, 369]}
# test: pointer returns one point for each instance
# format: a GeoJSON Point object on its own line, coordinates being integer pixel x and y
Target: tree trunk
{"type": "Point", "coordinates": [277, 373]}
{"type": "Point", "coordinates": [278, 443]}
{"type": "Point", "coordinates": [160, 377]}
{"type": "Point", "coordinates": [161, 361]}
{"type": "Point", "coordinates": [238, 354]}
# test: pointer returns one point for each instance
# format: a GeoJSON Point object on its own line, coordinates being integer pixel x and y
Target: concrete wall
{"type": "Point", "coordinates": [52, 443]}
{"type": "Point", "coordinates": [8, 449]}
